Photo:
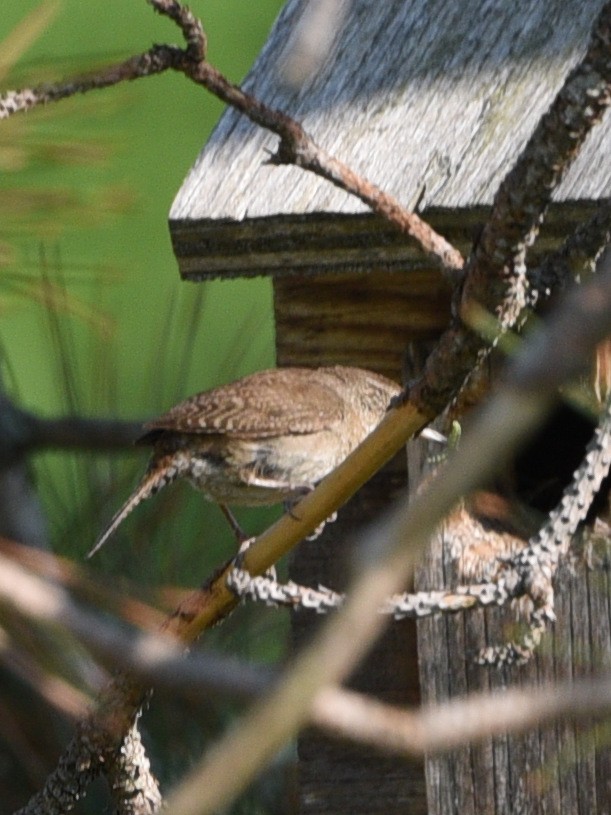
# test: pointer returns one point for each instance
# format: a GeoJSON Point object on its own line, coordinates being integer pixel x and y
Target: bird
{"type": "Point", "coordinates": [264, 439]}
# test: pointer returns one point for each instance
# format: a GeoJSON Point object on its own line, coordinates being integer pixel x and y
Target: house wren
{"type": "Point", "coordinates": [264, 439]}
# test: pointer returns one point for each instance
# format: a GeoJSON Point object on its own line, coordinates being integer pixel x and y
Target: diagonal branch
{"type": "Point", "coordinates": [296, 146]}
{"type": "Point", "coordinates": [495, 278]}
{"type": "Point", "coordinates": [495, 273]}
{"type": "Point", "coordinates": [575, 259]}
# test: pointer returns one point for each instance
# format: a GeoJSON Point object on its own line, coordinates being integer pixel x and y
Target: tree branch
{"type": "Point", "coordinates": [22, 432]}
{"type": "Point", "coordinates": [296, 146]}
{"type": "Point", "coordinates": [495, 273]}
{"type": "Point", "coordinates": [452, 724]}
{"type": "Point", "coordinates": [494, 277]}
{"type": "Point", "coordinates": [134, 788]}
{"type": "Point", "coordinates": [575, 259]}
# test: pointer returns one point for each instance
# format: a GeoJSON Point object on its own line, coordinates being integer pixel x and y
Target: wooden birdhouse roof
{"type": "Point", "coordinates": [429, 99]}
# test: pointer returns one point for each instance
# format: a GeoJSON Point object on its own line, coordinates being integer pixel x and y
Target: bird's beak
{"type": "Point", "coordinates": [433, 435]}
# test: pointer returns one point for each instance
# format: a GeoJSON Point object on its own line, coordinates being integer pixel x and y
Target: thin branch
{"type": "Point", "coordinates": [322, 600]}
{"type": "Point", "coordinates": [122, 602]}
{"type": "Point", "coordinates": [77, 433]}
{"type": "Point", "coordinates": [150, 657]}
{"type": "Point", "coordinates": [575, 259]}
{"type": "Point", "coordinates": [22, 432]}
{"type": "Point", "coordinates": [448, 725]}
{"type": "Point", "coordinates": [532, 571]}
{"type": "Point", "coordinates": [346, 714]}
{"type": "Point", "coordinates": [544, 363]}
{"type": "Point", "coordinates": [57, 692]}
{"type": "Point", "coordinates": [495, 278]}
{"type": "Point", "coordinates": [296, 146]}
{"type": "Point", "coordinates": [157, 60]}
{"type": "Point", "coordinates": [495, 273]}
{"type": "Point", "coordinates": [134, 788]}
{"type": "Point", "coordinates": [107, 737]}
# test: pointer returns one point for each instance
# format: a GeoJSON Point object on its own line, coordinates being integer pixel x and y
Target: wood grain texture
{"type": "Point", "coordinates": [335, 777]}
{"type": "Point", "coordinates": [422, 94]}
{"type": "Point", "coordinates": [560, 768]}
{"type": "Point", "coordinates": [554, 769]}
{"type": "Point", "coordinates": [441, 96]}
{"type": "Point", "coordinates": [365, 320]}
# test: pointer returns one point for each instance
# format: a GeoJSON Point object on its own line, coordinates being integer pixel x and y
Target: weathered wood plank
{"type": "Point", "coordinates": [317, 244]}
{"type": "Point", "coordinates": [335, 777]}
{"type": "Point", "coordinates": [555, 769]}
{"type": "Point", "coordinates": [363, 320]}
{"type": "Point", "coordinates": [322, 320]}
{"type": "Point", "coordinates": [422, 93]}
{"type": "Point", "coordinates": [434, 96]}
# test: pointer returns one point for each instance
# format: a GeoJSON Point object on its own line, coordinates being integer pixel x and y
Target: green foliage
{"type": "Point", "coordinates": [89, 290]}
{"type": "Point", "coordinates": [93, 317]}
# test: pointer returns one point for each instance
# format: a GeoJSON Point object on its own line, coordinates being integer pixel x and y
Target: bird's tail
{"type": "Point", "coordinates": [161, 472]}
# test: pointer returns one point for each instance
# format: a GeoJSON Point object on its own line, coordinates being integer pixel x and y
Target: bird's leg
{"type": "Point", "coordinates": [298, 494]}
{"type": "Point", "coordinates": [292, 502]}
{"type": "Point", "coordinates": [243, 540]}
{"type": "Point", "coordinates": [240, 536]}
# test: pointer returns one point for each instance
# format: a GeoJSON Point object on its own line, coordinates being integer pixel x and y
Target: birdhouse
{"type": "Point", "coordinates": [432, 101]}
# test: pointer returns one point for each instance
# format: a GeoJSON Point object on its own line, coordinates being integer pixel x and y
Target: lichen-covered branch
{"type": "Point", "coordinates": [574, 260]}
{"type": "Point", "coordinates": [495, 272]}
{"type": "Point", "coordinates": [133, 786]}
{"type": "Point", "coordinates": [548, 358]}
{"type": "Point", "coordinates": [495, 278]}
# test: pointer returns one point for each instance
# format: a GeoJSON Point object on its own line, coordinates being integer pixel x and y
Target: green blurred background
{"type": "Point", "coordinates": [94, 320]}
{"type": "Point", "coordinates": [94, 317]}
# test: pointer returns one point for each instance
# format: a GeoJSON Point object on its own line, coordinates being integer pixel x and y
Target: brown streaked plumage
{"type": "Point", "coordinates": [263, 439]}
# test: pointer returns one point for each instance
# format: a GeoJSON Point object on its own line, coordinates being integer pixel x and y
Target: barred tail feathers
{"type": "Point", "coordinates": [160, 473]}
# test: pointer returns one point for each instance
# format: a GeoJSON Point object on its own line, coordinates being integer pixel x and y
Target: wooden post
{"type": "Point", "coordinates": [560, 768]}
{"type": "Point", "coordinates": [363, 320]}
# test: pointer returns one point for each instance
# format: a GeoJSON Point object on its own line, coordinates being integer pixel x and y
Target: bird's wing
{"type": "Point", "coordinates": [265, 404]}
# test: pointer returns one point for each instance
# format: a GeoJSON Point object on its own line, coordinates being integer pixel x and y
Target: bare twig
{"type": "Point", "coordinates": [340, 712]}
{"type": "Point", "coordinates": [22, 432]}
{"type": "Point", "coordinates": [532, 571]}
{"type": "Point", "coordinates": [461, 721]}
{"type": "Point", "coordinates": [57, 692]}
{"type": "Point", "coordinates": [296, 146]}
{"type": "Point", "coordinates": [84, 587]}
{"type": "Point", "coordinates": [150, 657]}
{"type": "Point", "coordinates": [264, 589]}
{"type": "Point", "coordinates": [134, 788]}
{"type": "Point", "coordinates": [107, 737]}
{"type": "Point", "coordinates": [575, 259]}
{"type": "Point", "coordinates": [496, 279]}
